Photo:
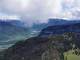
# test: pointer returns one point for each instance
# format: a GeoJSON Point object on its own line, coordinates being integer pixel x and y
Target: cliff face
{"type": "Point", "coordinates": [60, 29]}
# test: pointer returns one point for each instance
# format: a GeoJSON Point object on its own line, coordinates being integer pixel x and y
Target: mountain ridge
{"type": "Point", "coordinates": [59, 29]}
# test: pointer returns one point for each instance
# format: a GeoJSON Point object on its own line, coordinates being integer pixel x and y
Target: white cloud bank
{"type": "Point", "coordinates": [32, 10]}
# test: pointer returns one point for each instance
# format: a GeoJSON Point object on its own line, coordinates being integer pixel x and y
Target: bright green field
{"type": "Point", "coordinates": [69, 56]}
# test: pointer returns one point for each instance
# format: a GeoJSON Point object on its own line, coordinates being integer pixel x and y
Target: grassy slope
{"type": "Point", "coordinates": [70, 56]}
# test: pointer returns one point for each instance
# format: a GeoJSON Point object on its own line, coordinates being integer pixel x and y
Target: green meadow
{"type": "Point", "coordinates": [70, 55]}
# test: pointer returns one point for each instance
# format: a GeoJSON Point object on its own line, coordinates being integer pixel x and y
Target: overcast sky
{"type": "Point", "coordinates": [32, 10]}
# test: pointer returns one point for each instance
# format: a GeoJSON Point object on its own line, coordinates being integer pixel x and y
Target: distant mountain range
{"type": "Point", "coordinates": [60, 26]}
{"type": "Point", "coordinates": [12, 22]}
{"type": "Point", "coordinates": [52, 22]}
{"type": "Point", "coordinates": [12, 31]}
{"type": "Point", "coordinates": [60, 36]}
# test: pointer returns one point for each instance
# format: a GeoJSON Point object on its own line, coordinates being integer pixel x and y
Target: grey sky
{"type": "Point", "coordinates": [32, 10]}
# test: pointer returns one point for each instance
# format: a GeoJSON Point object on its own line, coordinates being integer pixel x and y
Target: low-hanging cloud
{"type": "Point", "coordinates": [41, 9]}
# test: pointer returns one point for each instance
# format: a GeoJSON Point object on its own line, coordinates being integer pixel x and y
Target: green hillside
{"type": "Point", "coordinates": [71, 55]}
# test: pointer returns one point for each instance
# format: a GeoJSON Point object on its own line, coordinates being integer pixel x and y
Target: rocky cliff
{"type": "Point", "coordinates": [60, 29]}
